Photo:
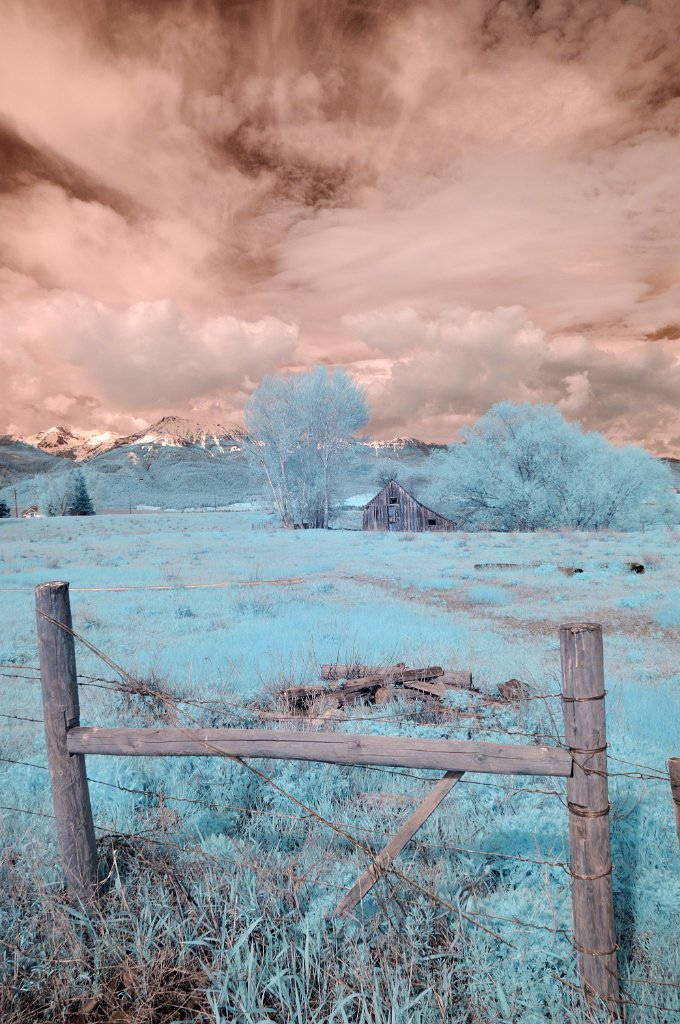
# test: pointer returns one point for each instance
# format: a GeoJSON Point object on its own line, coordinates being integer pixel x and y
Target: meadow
{"type": "Point", "coordinates": [222, 889]}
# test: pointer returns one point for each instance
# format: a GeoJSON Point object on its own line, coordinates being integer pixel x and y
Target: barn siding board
{"type": "Point", "coordinates": [395, 509]}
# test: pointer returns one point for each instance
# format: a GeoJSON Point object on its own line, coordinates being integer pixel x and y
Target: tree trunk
{"type": "Point", "coordinates": [325, 491]}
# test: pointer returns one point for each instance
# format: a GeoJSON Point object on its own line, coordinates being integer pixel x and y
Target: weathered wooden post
{"type": "Point", "coordinates": [588, 802]}
{"type": "Point", "coordinates": [70, 793]}
{"type": "Point", "coordinates": [674, 771]}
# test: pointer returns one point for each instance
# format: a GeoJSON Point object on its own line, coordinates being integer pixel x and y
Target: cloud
{"type": "Point", "coordinates": [70, 356]}
{"type": "Point", "coordinates": [447, 369]}
{"type": "Point", "coordinates": [433, 373]}
{"type": "Point", "coordinates": [578, 392]}
{"type": "Point", "coordinates": [317, 161]}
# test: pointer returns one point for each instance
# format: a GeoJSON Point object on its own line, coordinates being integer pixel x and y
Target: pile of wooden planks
{"type": "Point", "coordinates": [373, 684]}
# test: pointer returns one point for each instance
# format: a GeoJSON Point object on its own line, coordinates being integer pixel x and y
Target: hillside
{"type": "Point", "coordinates": [19, 461]}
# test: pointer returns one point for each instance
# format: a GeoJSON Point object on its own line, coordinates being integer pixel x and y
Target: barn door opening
{"type": "Point", "coordinates": [392, 516]}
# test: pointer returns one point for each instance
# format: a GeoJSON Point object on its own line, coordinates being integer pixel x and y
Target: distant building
{"type": "Point", "coordinates": [395, 509]}
{"type": "Point", "coordinates": [32, 512]}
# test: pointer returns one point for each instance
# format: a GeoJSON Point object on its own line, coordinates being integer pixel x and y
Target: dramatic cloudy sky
{"type": "Point", "coordinates": [459, 201]}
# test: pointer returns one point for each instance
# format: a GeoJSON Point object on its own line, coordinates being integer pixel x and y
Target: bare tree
{"type": "Point", "coordinates": [299, 428]}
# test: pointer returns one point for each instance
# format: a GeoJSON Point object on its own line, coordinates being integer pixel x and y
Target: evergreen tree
{"type": "Point", "coordinates": [4, 510]}
{"type": "Point", "coordinates": [79, 502]}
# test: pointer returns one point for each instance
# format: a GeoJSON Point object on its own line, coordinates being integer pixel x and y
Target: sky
{"type": "Point", "coordinates": [457, 201]}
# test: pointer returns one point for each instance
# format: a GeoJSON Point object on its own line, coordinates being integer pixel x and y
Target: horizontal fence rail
{"type": "Point", "coordinates": [334, 748]}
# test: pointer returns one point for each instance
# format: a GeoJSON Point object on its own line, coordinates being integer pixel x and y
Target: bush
{"type": "Point", "coordinates": [524, 467]}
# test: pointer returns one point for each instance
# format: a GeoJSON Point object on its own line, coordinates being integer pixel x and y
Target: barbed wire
{"type": "Point", "coordinates": [26, 764]}
{"type": "Point", "coordinates": [18, 675]}
{"type": "Point", "coordinates": [21, 718]}
{"type": "Point", "coordinates": [405, 715]}
{"type": "Point", "coordinates": [137, 688]}
{"type": "Point", "coordinates": [162, 796]}
{"type": "Point", "coordinates": [286, 581]}
{"type": "Point", "coordinates": [25, 810]}
{"type": "Point", "coordinates": [621, 999]}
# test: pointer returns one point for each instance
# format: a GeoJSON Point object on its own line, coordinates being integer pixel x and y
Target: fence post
{"type": "Point", "coordinates": [588, 801]}
{"type": "Point", "coordinates": [674, 772]}
{"type": "Point", "coordinates": [70, 793]}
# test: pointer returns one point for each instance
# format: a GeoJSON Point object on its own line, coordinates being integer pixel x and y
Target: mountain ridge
{"type": "Point", "coordinates": [174, 431]}
{"type": "Point", "coordinates": [178, 432]}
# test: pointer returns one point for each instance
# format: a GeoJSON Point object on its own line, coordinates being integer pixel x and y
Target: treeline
{"type": "Point", "coordinates": [519, 467]}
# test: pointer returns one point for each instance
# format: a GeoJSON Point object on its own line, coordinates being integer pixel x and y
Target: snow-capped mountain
{"type": "Point", "coordinates": [401, 444]}
{"type": "Point", "coordinates": [56, 441]}
{"type": "Point", "coordinates": [97, 444]}
{"type": "Point", "coordinates": [72, 444]}
{"type": "Point", "coordinates": [172, 431]}
{"type": "Point", "coordinates": [183, 433]}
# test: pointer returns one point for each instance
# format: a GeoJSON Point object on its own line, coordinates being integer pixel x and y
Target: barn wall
{"type": "Point", "coordinates": [406, 514]}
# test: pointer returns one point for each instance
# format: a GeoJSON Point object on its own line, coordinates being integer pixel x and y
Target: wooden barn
{"type": "Point", "coordinates": [395, 509]}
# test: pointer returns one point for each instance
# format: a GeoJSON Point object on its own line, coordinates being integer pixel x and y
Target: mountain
{"type": "Point", "coordinates": [175, 462]}
{"type": "Point", "coordinates": [56, 441]}
{"type": "Point", "coordinates": [181, 463]}
{"type": "Point", "coordinates": [173, 431]}
{"type": "Point", "coordinates": [72, 444]}
{"type": "Point", "coordinates": [403, 446]}
{"type": "Point", "coordinates": [184, 433]}
{"type": "Point", "coordinates": [180, 432]}
{"type": "Point", "coordinates": [97, 444]}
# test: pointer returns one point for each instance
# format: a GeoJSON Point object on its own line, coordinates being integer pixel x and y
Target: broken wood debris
{"type": "Point", "coordinates": [513, 689]}
{"type": "Point", "coordinates": [373, 684]}
{"type": "Point", "coordinates": [457, 679]}
{"type": "Point", "coordinates": [354, 671]}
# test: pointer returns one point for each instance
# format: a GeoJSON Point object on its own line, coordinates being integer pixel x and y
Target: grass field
{"type": "Point", "coordinates": [220, 907]}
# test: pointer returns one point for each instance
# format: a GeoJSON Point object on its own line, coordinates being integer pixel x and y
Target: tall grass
{"type": "Point", "coordinates": [220, 906]}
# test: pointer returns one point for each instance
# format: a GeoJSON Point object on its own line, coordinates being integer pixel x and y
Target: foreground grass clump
{"type": "Point", "coordinates": [221, 889]}
{"type": "Point", "coordinates": [203, 940]}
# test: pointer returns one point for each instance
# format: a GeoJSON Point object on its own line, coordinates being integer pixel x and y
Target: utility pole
{"type": "Point", "coordinates": [16, 507]}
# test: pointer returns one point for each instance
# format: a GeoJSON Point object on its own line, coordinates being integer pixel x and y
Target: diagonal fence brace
{"type": "Point", "coordinates": [382, 861]}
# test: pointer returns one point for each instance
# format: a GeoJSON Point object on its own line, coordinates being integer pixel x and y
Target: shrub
{"type": "Point", "coordinates": [524, 467]}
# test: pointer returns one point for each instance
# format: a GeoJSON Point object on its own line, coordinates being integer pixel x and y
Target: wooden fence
{"type": "Point", "coordinates": [583, 763]}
